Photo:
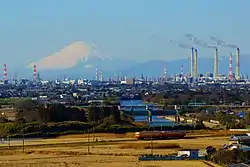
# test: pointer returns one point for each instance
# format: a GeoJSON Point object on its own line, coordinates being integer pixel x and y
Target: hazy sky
{"type": "Point", "coordinates": [136, 29]}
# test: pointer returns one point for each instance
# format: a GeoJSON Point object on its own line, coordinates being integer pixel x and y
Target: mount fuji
{"type": "Point", "coordinates": [80, 59]}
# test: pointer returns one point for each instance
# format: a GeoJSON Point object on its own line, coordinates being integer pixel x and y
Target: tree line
{"type": "Point", "coordinates": [32, 111]}
{"type": "Point", "coordinates": [211, 96]}
{"type": "Point", "coordinates": [35, 118]}
{"type": "Point", "coordinates": [227, 118]}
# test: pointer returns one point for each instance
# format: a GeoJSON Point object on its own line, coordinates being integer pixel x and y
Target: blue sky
{"type": "Point", "coordinates": [134, 29]}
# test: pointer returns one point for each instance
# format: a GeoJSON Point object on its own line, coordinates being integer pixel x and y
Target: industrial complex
{"type": "Point", "coordinates": [195, 76]}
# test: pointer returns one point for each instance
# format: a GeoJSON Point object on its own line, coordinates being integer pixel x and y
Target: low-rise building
{"type": "Point", "coordinates": [239, 139]}
{"type": "Point", "coordinates": [191, 153]}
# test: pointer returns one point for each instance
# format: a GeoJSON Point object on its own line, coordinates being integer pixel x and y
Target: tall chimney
{"type": "Point", "coordinates": [96, 74]}
{"type": "Point", "coordinates": [215, 63]}
{"type": "Point", "coordinates": [191, 62]}
{"type": "Point", "coordinates": [230, 75]}
{"type": "Point", "coordinates": [182, 72]}
{"type": "Point", "coordinates": [164, 77]}
{"type": "Point", "coordinates": [34, 73]}
{"type": "Point", "coordinates": [237, 69]}
{"type": "Point", "coordinates": [195, 72]}
{"type": "Point", "coordinates": [4, 73]}
{"type": "Point", "coordinates": [101, 76]}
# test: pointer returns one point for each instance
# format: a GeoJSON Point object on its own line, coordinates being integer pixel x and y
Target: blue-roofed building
{"type": "Point", "coordinates": [132, 103]}
{"type": "Point", "coordinates": [241, 114]}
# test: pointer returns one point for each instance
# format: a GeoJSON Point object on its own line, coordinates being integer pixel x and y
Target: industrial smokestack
{"type": "Point", "coordinates": [96, 74]}
{"type": "Point", "coordinates": [237, 70]}
{"type": "Point", "coordinates": [164, 77]}
{"type": "Point", "coordinates": [215, 63]}
{"type": "Point", "coordinates": [191, 62]}
{"type": "Point", "coordinates": [101, 76]}
{"type": "Point", "coordinates": [34, 73]}
{"type": "Point", "coordinates": [182, 72]}
{"type": "Point", "coordinates": [4, 73]}
{"type": "Point", "coordinates": [230, 75]}
{"type": "Point", "coordinates": [195, 72]}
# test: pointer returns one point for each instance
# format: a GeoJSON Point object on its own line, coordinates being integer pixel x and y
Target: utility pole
{"type": "Point", "coordinates": [88, 141]}
{"type": "Point", "coordinates": [226, 129]}
{"type": "Point", "coordinates": [151, 150]}
{"type": "Point", "coordinates": [23, 143]}
{"type": "Point", "coordinates": [151, 144]}
{"type": "Point", "coordinates": [8, 141]}
{"type": "Point", "coordinates": [93, 131]}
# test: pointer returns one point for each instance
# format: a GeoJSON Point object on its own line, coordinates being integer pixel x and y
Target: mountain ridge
{"type": "Point", "coordinates": [80, 59]}
{"type": "Point", "coordinates": [131, 68]}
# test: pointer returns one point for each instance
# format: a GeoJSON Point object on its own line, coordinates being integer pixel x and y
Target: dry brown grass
{"type": "Point", "coordinates": [106, 135]}
{"type": "Point", "coordinates": [99, 135]}
{"type": "Point", "coordinates": [214, 133]}
{"type": "Point", "coordinates": [112, 164]}
{"type": "Point", "coordinates": [121, 149]}
{"type": "Point", "coordinates": [193, 133]}
{"type": "Point", "coordinates": [89, 161]}
{"type": "Point", "coordinates": [149, 145]}
{"type": "Point", "coordinates": [66, 151]}
{"type": "Point", "coordinates": [134, 147]}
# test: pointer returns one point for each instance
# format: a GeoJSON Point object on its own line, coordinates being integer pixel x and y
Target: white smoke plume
{"type": "Point", "coordinates": [218, 41]}
{"type": "Point", "coordinates": [96, 51]}
{"type": "Point", "coordinates": [195, 40]}
{"type": "Point", "coordinates": [185, 46]}
{"type": "Point", "coordinates": [222, 43]}
{"type": "Point", "coordinates": [212, 46]}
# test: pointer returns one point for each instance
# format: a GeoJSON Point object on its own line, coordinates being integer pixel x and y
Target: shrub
{"type": "Point", "coordinates": [226, 157]}
{"type": "Point", "coordinates": [40, 129]}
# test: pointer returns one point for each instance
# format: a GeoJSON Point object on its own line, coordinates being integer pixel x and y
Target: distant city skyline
{"type": "Point", "coordinates": [136, 30]}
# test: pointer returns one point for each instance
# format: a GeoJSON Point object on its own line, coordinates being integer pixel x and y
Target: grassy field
{"type": "Point", "coordinates": [194, 140]}
{"type": "Point", "coordinates": [89, 161]}
{"type": "Point", "coordinates": [10, 101]}
{"type": "Point", "coordinates": [72, 150]}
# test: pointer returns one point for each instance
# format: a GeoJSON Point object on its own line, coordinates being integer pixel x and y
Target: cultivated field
{"type": "Point", "coordinates": [104, 149]}
{"type": "Point", "coordinates": [92, 161]}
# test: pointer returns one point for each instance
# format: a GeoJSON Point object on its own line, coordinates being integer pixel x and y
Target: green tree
{"type": "Point", "coordinates": [226, 157]}
{"type": "Point", "coordinates": [115, 112]}
{"type": "Point", "coordinates": [104, 112]}
{"type": "Point", "coordinates": [26, 104]}
{"type": "Point", "coordinates": [228, 120]}
{"type": "Point", "coordinates": [94, 114]}
{"type": "Point", "coordinates": [182, 111]}
{"type": "Point", "coordinates": [247, 118]}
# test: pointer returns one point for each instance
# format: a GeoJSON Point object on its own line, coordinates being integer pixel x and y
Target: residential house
{"type": "Point", "coordinates": [190, 153]}
{"type": "Point", "coordinates": [239, 139]}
